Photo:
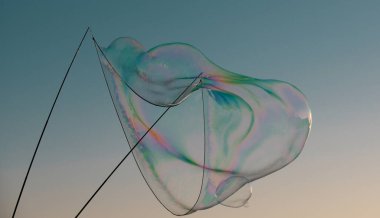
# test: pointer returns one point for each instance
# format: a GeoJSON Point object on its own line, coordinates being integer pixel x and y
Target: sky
{"type": "Point", "coordinates": [328, 49]}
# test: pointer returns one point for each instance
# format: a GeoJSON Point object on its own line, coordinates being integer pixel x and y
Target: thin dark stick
{"type": "Point", "coordinates": [47, 121]}
{"type": "Point", "coordinates": [130, 151]}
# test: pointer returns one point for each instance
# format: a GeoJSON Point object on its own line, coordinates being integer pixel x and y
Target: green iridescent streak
{"type": "Point", "coordinates": [209, 198]}
{"type": "Point", "coordinates": [238, 79]}
{"type": "Point", "coordinates": [234, 105]}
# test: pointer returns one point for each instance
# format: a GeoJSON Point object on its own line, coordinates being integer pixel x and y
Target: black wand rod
{"type": "Point", "coordinates": [47, 121]}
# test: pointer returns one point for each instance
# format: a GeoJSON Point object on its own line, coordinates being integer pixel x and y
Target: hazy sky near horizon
{"type": "Point", "coordinates": [328, 49]}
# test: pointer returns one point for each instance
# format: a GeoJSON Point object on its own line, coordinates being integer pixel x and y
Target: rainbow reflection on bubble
{"type": "Point", "coordinates": [223, 130]}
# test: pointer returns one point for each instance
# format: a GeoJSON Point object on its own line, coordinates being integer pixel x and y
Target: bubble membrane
{"type": "Point", "coordinates": [223, 132]}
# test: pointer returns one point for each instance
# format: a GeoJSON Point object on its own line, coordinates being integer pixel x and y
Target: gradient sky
{"type": "Point", "coordinates": [329, 49]}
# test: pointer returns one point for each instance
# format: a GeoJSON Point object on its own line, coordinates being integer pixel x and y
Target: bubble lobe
{"type": "Point", "coordinates": [227, 196]}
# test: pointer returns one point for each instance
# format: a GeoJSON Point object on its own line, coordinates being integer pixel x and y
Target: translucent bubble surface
{"type": "Point", "coordinates": [232, 198]}
{"type": "Point", "coordinates": [223, 129]}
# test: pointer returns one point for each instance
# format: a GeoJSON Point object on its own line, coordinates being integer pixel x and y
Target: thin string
{"type": "Point", "coordinates": [47, 121]}
{"type": "Point", "coordinates": [138, 142]}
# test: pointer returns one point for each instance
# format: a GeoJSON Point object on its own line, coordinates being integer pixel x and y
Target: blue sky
{"type": "Point", "coordinates": [328, 49]}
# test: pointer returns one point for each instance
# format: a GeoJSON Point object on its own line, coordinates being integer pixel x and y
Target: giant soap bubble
{"type": "Point", "coordinates": [224, 130]}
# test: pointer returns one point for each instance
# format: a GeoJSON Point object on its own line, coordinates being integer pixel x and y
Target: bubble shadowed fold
{"type": "Point", "coordinates": [223, 129]}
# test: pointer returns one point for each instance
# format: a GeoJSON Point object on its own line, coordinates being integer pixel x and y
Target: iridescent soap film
{"type": "Point", "coordinates": [222, 130]}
